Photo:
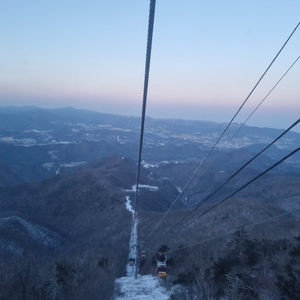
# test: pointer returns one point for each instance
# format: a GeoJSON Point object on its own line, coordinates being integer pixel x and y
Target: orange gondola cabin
{"type": "Point", "coordinates": [161, 269]}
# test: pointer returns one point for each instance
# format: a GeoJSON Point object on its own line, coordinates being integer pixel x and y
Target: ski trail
{"type": "Point", "coordinates": [145, 287]}
{"type": "Point", "coordinates": [133, 238]}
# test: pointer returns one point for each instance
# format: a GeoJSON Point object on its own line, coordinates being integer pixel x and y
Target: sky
{"type": "Point", "coordinates": [206, 57]}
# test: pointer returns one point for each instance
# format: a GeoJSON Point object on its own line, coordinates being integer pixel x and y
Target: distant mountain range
{"type": "Point", "coordinates": [33, 125]}
{"type": "Point", "coordinates": [68, 175]}
{"type": "Point", "coordinates": [64, 151]}
{"type": "Point", "coordinates": [39, 143]}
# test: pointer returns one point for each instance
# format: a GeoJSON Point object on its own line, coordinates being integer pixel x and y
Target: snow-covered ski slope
{"type": "Point", "coordinates": [145, 287]}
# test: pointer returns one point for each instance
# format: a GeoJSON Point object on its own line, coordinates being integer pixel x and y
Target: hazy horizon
{"type": "Point", "coordinates": [206, 58]}
{"type": "Point", "coordinates": [181, 115]}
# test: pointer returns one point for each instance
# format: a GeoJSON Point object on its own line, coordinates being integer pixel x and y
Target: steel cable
{"type": "Point", "coordinates": [145, 91]}
{"type": "Point", "coordinates": [239, 170]}
{"type": "Point", "coordinates": [260, 103]}
{"type": "Point", "coordinates": [232, 194]}
{"type": "Point", "coordinates": [188, 182]}
{"type": "Point", "coordinates": [232, 231]}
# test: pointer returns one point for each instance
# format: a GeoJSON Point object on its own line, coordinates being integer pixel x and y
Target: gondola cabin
{"type": "Point", "coordinates": [131, 261]}
{"type": "Point", "coordinates": [161, 269]}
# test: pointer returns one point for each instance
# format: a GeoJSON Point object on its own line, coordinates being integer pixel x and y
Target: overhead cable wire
{"type": "Point", "coordinates": [232, 194]}
{"type": "Point", "coordinates": [239, 170]}
{"type": "Point", "coordinates": [261, 103]}
{"type": "Point", "coordinates": [232, 231]}
{"type": "Point", "coordinates": [188, 182]}
{"type": "Point", "coordinates": [145, 91]}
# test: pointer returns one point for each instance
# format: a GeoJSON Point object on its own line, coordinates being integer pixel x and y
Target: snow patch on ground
{"type": "Point", "coordinates": [144, 186]}
{"type": "Point", "coordinates": [132, 249]}
{"type": "Point", "coordinates": [128, 204]}
{"type": "Point", "coordinates": [73, 164]}
{"type": "Point", "coordinates": [133, 238]}
{"type": "Point", "coordinates": [179, 189]}
{"type": "Point", "coordinates": [41, 235]}
{"type": "Point", "coordinates": [145, 287]}
{"type": "Point", "coordinates": [147, 166]}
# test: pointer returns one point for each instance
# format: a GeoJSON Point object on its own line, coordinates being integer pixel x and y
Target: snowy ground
{"type": "Point", "coordinates": [133, 238]}
{"type": "Point", "coordinates": [145, 287]}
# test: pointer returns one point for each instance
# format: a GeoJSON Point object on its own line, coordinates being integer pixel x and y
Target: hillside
{"type": "Point", "coordinates": [70, 206]}
{"type": "Point", "coordinates": [67, 178]}
{"type": "Point", "coordinates": [73, 220]}
{"type": "Point", "coordinates": [82, 205]}
{"type": "Point", "coordinates": [203, 256]}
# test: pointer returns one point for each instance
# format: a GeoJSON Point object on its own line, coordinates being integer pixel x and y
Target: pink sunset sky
{"type": "Point", "coordinates": [206, 57]}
